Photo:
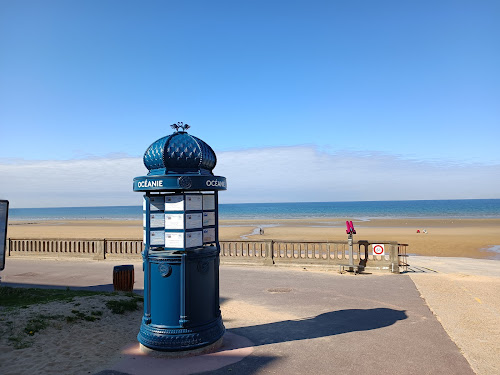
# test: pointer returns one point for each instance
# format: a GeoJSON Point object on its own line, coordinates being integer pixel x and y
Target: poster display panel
{"type": "Point", "coordinates": [157, 220]}
{"type": "Point", "coordinates": [181, 228]}
{"type": "Point", "coordinates": [193, 221]}
{"type": "Point", "coordinates": [208, 202]}
{"type": "Point", "coordinates": [194, 239]}
{"type": "Point", "coordinates": [174, 221]}
{"type": "Point", "coordinates": [208, 219]}
{"type": "Point", "coordinates": [157, 203]}
{"type": "Point", "coordinates": [156, 238]}
{"type": "Point", "coordinates": [208, 235]}
{"type": "Point", "coordinates": [174, 240]}
{"type": "Point", "coordinates": [174, 202]}
{"type": "Point", "coordinates": [194, 202]}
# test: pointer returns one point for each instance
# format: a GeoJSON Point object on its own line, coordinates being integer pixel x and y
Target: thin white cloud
{"type": "Point", "coordinates": [303, 173]}
{"type": "Point", "coordinates": [70, 183]}
{"type": "Point", "coordinates": [278, 174]}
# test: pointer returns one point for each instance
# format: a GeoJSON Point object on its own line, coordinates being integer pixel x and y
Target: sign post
{"type": "Point", "coordinates": [350, 231]}
{"type": "Point", "coordinates": [4, 213]}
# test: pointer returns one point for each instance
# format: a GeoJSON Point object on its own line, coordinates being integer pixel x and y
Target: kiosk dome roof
{"type": "Point", "coordinates": [179, 153]}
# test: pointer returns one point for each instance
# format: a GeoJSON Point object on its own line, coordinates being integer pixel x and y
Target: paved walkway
{"type": "Point", "coordinates": [464, 295]}
{"type": "Point", "coordinates": [296, 321]}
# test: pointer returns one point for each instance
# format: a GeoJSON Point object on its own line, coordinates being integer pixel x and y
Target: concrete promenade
{"type": "Point", "coordinates": [294, 320]}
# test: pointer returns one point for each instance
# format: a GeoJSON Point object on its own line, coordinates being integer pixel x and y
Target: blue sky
{"type": "Point", "coordinates": [411, 85]}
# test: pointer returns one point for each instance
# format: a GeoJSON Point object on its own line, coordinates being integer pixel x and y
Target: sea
{"type": "Point", "coordinates": [364, 210]}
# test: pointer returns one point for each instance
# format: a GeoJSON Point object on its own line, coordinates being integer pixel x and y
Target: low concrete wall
{"type": "Point", "coordinates": [334, 253]}
{"type": "Point", "coordinates": [266, 252]}
{"type": "Point", "coordinates": [97, 249]}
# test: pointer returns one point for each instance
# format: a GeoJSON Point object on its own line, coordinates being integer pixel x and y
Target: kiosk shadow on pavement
{"type": "Point", "coordinates": [327, 324]}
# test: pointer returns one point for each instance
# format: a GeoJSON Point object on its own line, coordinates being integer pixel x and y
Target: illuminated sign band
{"type": "Point", "coordinates": [217, 183]}
{"type": "Point", "coordinates": [150, 183]}
{"type": "Point", "coordinates": [176, 182]}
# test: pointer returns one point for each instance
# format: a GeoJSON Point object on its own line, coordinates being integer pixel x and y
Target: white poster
{"type": "Point", "coordinates": [208, 235]}
{"type": "Point", "coordinates": [174, 202]}
{"type": "Point", "coordinates": [208, 202]}
{"type": "Point", "coordinates": [157, 220]}
{"type": "Point", "coordinates": [208, 219]}
{"type": "Point", "coordinates": [156, 238]}
{"type": "Point", "coordinates": [194, 202]}
{"type": "Point", "coordinates": [156, 203]}
{"type": "Point", "coordinates": [174, 240]}
{"type": "Point", "coordinates": [174, 221]}
{"type": "Point", "coordinates": [193, 221]}
{"type": "Point", "coordinates": [194, 239]}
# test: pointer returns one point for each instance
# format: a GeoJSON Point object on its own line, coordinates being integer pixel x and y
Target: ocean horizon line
{"type": "Point", "coordinates": [359, 210]}
{"type": "Point", "coordinates": [263, 203]}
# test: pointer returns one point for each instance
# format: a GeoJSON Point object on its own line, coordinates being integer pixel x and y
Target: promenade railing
{"type": "Point", "coordinates": [94, 248]}
{"type": "Point", "coordinates": [330, 253]}
{"type": "Point", "coordinates": [260, 252]}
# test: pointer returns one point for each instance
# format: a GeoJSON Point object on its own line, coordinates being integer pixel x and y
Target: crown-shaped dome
{"type": "Point", "coordinates": [179, 153]}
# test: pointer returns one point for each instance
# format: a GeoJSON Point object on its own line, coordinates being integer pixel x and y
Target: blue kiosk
{"type": "Point", "coordinates": [181, 252]}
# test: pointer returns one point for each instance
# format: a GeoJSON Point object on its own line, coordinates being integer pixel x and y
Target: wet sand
{"type": "Point", "coordinates": [445, 237]}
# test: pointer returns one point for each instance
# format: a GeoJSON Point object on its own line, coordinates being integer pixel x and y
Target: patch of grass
{"type": "Point", "coordinates": [78, 315]}
{"type": "Point", "coordinates": [19, 342]}
{"type": "Point", "coordinates": [51, 316]}
{"type": "Point", "coordinates": [23, 297]}
{"type": "Point", "coordinates": [22, 335]}
{"type": "Point", "coordinates": [39, 323]}
{"type": "Point", "coordinates": [35, 325]}
{"type": "Point", "coordinates": [121, 306]}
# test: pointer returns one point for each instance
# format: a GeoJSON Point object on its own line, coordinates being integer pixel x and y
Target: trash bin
{"type": "Point", "coordinates": [123, 278]}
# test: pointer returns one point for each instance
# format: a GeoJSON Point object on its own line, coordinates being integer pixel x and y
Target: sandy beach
{"type": "Point", "coordinates": [64, 348]}
{"type": "Point", "coordinates": [445, 237]}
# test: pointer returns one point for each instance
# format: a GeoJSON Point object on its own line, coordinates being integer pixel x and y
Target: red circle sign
{"type": "Point", "coordinates": [378, 249]}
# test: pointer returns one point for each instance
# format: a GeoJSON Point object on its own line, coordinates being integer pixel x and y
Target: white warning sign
{"type": "Point", "coordinates": [378, 249]}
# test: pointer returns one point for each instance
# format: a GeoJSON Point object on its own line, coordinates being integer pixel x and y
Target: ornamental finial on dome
{"type": "Point", "coordinates": [179, 153]}
{"type": "Point", "coordinates": [180, 125]}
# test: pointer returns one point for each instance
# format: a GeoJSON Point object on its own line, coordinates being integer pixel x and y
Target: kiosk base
{"type": "Point", "coordinates": [180, 339]}
{"type": "Point", "coordinates": [211, 348]}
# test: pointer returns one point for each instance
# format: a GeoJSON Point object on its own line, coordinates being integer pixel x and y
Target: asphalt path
{"type": "Point", "coordinates": [298, 321]}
